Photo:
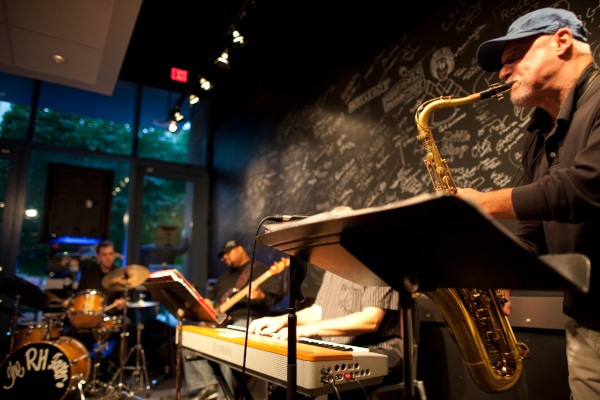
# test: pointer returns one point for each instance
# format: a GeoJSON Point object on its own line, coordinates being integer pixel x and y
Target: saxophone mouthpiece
{"type": "Point", "coordinates": [496, 90]}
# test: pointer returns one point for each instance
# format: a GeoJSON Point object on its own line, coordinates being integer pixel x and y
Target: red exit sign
{"type": "Point", "coordinates": [179, 75]}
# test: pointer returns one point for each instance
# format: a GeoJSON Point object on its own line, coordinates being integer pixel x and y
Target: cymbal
{"type": "Point", "coordinates": [29, 295]}
{"type": "Point", "coordinates": [125, 278]}
{"type": "Point", "coordinates": [142, 304]}
{"type": "Point", "coordinates": [7, 305]}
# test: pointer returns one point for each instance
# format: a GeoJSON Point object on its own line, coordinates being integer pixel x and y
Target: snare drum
{"type": "Point", "coordinates": [35, 332]}
{"type": "Point", "coordinates": [44, 370]}
{"type": "Point", "coordinates": [86, 308]}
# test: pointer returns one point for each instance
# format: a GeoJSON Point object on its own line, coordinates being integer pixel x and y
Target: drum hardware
{"type": "Point", "coordinates": [127, 278]}
{"type": "Point", "coordinates": [101, 334]}
{"type": "Point", "coordinates": [139, 374]}
{"type": "Point", "coordinates": [24, 293]}
{"type": "Point", "coordinates": [122, 359]}
{"type": "Point", "coordinates": [143, 304]}
{"type": "Point", "coordinates": [140, 370]}
{"type": "Point", "coordinates": [96, 386]}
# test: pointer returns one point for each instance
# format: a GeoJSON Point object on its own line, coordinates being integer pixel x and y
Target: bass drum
{"type": "Point", "coordinates": [44, 370]}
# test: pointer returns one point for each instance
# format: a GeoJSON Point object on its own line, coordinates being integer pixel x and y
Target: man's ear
{"type": "Point", "coordinates": [562, 41]}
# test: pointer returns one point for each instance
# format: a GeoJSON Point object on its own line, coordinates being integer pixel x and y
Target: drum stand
{"type": "Point", "coordinates": [101, 335]}
{"type": "Point", "coordinates": [140, 372]}
{"type": "Point", "coordinates": [14, 323]}
{"type": "Point", "coordinates": [123, 342]}
{"type": "Point", "coordinates": [95, 385]}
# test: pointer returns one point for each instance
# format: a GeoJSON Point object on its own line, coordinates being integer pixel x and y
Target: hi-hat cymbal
{"type": "Point", "coordinates": [142, 304]}
{"type": "Point", "coordinates": [28, 294]}
{"type": "Point", "coordinates": [125, 278]}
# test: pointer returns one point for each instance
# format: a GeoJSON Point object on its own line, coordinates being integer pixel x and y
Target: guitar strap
{"type": "Point", "coordinates": [244, 277]}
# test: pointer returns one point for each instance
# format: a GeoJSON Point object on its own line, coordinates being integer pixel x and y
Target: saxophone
{"type": "Point", "coordinates": [474, 317]}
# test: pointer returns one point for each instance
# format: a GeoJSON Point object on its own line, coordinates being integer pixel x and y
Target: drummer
{"type": "Point", "coordinates": [92, 274]}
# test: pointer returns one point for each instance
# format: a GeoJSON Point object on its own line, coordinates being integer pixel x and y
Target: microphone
{"type": "Point", "coordinates": [286, 217]}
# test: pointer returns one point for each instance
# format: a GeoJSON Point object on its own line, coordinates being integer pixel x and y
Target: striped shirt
{"type": "Point", "coordinates": [338, 297]}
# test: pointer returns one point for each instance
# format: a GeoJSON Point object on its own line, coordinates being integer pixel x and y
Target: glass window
{"type": "Point", "coordinates": [4, 171]}
{"type": "Point", "coordinates": [155, 139]}
{"type": "Point", "coordinates": [163, 222]}
{"type": "Point", "coordinates": [34, 252]}
{"type": "Point", "coordinates": [84, 120]}
{"type": "Point", "coordinates": [15, 106]}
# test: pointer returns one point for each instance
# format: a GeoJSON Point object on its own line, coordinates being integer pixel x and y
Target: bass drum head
{"type": "Point", "coordinates": [44, 370]}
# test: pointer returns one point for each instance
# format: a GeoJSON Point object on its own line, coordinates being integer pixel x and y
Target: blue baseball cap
{"type": "Point", "coordinates": [538, 22]}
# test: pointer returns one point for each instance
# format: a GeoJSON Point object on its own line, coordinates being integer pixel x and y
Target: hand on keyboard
{"type": "Point", "coordinates": [267, 325]}
{"type": "Point", "coordinates": [302, 331]}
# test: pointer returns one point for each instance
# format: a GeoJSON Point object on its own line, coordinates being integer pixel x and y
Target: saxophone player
{"type": "Point", "coordinates": [547, 57]}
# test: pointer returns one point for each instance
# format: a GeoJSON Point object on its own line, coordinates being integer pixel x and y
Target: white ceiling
{"type": "Point", "coordinates": [92, 35]}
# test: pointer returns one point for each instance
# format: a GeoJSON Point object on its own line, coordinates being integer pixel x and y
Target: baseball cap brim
{"type": "Point", "coordinates": [228, 246]}
{"type": "Point", "coordinates": [489, 53]}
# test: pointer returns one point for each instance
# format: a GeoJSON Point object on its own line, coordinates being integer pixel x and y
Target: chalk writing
{"type": "Point", "coordinates": [354, 142]}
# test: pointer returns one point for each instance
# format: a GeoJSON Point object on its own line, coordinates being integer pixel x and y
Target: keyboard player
{"type": "Point", "coordinates": [348, 313]}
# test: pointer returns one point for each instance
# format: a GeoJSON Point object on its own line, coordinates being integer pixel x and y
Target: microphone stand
{"type": "Point", "coordinates": [180, 315]}
{"type": "Point", "coordinates": [297, 274]}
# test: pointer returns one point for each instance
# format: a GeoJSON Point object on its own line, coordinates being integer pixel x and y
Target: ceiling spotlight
{"type": "Point", "coordinates": [172, 126]}
{"type": "Point", "coordinates": [238, 39]}
{"type": "Point", "coordinates": [223, 59]}
{"type": "Point", "coordinates": [58, 59]}
{"type": "Point", "coordinates": [205, 84]}
{"type": "Point", "coordinates": [194, 99]}
{"type": "Point", "coordinates": [178, 116]}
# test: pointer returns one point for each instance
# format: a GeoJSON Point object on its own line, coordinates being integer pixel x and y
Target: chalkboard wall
{"type": "Point", "coordinates": [354, 141]}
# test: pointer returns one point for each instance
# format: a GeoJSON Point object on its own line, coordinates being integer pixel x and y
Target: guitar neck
{"type": "Point", "coordinates": [231, 301]}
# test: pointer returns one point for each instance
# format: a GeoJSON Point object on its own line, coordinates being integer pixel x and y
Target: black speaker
{"type": "Point", "coordinates": [77, 204]}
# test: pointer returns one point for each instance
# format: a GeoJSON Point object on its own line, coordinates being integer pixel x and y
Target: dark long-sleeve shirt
{"type": "Point", "coordinates": [558, 205]}
{"type": "Point", "coordinates": [91, 278]}
{"type": "Point", "coordinates": [227, 281]}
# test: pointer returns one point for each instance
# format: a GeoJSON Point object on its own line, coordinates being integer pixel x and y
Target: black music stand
{"type": "Point", "coordinates": [182, 300]}
{"type": "Point", "coordinates": [444, 241]}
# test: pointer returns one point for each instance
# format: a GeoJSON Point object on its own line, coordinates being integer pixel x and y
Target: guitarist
{"type": "Point", "coordinates": [198, 373]}
{"type": "Point", "coordinates": [236, 277]}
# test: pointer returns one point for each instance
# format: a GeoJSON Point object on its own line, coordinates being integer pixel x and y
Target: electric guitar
{"type": "Point", "coordinates": [274, 269]}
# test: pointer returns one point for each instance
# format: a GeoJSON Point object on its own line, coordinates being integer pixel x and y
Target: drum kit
{"type": "Point", "coordinates": [42, 363]}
